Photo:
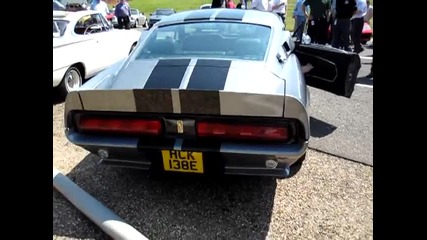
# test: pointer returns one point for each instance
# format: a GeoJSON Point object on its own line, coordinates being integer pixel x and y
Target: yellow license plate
{"type": "Point", "coordinates": [182, 161]}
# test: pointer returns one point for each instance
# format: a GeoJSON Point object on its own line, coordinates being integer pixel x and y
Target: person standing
{"type": "Point", "coordinates": [369, 13]}
{"type": "Point", "coordinates": [279, 7]}
{"type": "Point", "coordinates": [317, 19]}
{"type": "Point", "coordinates": [100, 6]}
{"type": "Point", "coordinates": [299, 18]}
{"type": "Point", "coordinates": [357, 21]}
{"type": "Point", "coordinates": [261, 5]}
{"type": "Point", "coordinates": [343, 11]}
{"type": "Point", "coordinates": [217, 4]}
{"type": "Point", "coordinates": [122, 12]}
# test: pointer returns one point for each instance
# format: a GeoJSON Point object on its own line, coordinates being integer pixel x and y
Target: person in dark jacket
{"type": "Point", "coordinates": [317, 19]}
{"type": "Point", "coordinates": [122, 12]}
{"type": "Point", "coordinates": [343, 10]}
{"type": "Point", "coordinates": [217, 4]}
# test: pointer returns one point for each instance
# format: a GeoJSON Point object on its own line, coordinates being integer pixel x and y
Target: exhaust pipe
{"type": "Point", "coordinates": [107, 220]}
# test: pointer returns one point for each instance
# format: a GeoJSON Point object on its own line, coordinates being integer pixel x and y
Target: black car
{"type": "Point", "coordinates": [159, 14]}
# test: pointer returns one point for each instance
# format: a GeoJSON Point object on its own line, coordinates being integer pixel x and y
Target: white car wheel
{"type": "Point", "coordinates": [72, 80]}
{"type": "Point", "coordinates": [136, 23]}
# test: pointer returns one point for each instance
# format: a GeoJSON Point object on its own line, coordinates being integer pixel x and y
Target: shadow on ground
{"type": "Point", "coordinates": [169, 207]}
{"type": "Point", "coordinates": [319, 128]}
{"type": "Point", "coordinates": [365, 81]}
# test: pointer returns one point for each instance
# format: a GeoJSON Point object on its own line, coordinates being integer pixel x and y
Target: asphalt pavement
{"type": "Point", "coordinates": [342, 126]}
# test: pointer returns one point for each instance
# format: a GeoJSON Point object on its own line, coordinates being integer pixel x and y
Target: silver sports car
{"type": "Point", "coordinates": [209, 91]}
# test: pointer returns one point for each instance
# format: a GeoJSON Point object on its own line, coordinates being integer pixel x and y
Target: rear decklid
{"type": "Point", "coordinates": [189, 86]}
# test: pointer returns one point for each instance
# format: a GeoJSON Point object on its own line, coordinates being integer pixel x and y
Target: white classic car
{"type": "Point", "coordinates": [84, 43]}
{"type": "Point", "coordinates": [136, 20]}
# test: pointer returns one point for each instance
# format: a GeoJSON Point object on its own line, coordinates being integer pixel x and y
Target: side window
{"type": "Point", "coordinates": [87, 24]}
{"type": "Point", "coordinates": [55, 28]}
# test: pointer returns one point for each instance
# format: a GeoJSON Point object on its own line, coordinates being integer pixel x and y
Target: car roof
{"type": "Point", "coordinates": [224, 14]}
{"type": "Point", "coordinates": [72, 16]}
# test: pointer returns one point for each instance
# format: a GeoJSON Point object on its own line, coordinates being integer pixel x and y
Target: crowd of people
{"type": "Point", "coordinates": [345, 18]}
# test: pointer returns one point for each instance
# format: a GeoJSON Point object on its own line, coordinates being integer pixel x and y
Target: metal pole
{"type": "Point", "coordinates": [107, 220]}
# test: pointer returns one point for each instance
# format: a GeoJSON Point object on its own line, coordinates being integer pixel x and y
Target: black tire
{"type": "Point", "coordinates": [72, 80]}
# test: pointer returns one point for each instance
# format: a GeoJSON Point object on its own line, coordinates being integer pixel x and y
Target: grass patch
{"type": "Point", "coordinates": [149, 6]}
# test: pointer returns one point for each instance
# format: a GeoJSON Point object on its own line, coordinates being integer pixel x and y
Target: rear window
{"type": "Point", "coordinates": [208, 40]}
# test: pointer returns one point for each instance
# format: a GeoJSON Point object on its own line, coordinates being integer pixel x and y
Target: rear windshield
{"type": "Point", "coordinates": [208, 39]}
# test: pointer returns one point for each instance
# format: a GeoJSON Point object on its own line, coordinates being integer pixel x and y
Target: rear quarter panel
{"type": "Point", "coordinates": [297, 95]}
{"type": "Point", "coordinates": [78, 50]}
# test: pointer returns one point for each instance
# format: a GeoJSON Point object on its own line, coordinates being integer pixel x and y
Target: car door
{"type": "Point", "coordinates": [90, 46]}
{"type": "Point", "coordinates": [102, 33]}
{"type": "Point", "coordinates": [334, 70]}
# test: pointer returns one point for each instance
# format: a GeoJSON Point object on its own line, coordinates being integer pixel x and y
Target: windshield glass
{"type": "Point", "coordinates": [208, 39]}
{"type": "Point", "coordinates": [59, 26]}
{"type": "Point", "coordinates": [163, 12]}
{"type": "Point", "coordinates": [57, 6]}
{"type": "Point", "coordinates": [134, 11]}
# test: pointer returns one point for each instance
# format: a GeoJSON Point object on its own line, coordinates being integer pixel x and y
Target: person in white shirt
{"type": "Point", "coordinates": [261, 5]}
{"type": "Point", "coordinates": [357, 22]}
{"type": "Point", "coordinates": [279, 7]}
{"type": "Point", "coordinates": [370, 13]}
{"type": "Point", "coordinates": [100, 6]}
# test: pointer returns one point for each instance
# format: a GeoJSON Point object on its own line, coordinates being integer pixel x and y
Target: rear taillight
{"type": "Point", "coordinates": [242, 131]}
{"type": "Point", "coordinates": [117, 125]}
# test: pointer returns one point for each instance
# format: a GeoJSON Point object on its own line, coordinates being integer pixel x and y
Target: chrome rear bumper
{"type": "Point", "coordinates": [227, 158]}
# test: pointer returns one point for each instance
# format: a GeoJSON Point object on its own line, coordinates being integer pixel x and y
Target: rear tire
{"type": "Point", "coordinates": [71, 81]}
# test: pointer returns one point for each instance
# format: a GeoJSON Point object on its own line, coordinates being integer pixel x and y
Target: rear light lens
{"type": "Point", "coordinates": [242, 131]}
{"type": "Point", "coordinates": [117, 125]}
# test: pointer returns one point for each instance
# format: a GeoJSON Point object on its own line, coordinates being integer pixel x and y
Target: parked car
{"type": "Point", "coordinates": [137, 19]}
{"type": "Point", "coordinates": [221, 92]}
{"type": "Point", "coordinates": [206, 6]}
{"type": "Point", "coordinates": [83, 45]}
{"type": "Point", "coordinates": [159, 14]}
{"type": "Point", "coordinates": [110, 16]}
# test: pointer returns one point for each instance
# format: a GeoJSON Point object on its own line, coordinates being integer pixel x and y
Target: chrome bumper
{"type": "Point", "coordinates": [236, 158]}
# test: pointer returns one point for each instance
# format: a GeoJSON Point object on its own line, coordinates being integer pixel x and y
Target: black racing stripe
{"type": "Point", "coordinates": [230, 15]}
{"type": "Point", "coordinates": [167, 74]}
{"type": "Point", "coordinates": [200, 15]}
{"type": "Point", "coordinates": [200, 102]}
{"type": "Point", "coordinates": [157, 101]}
{"type": "Point", "coordinates": [209, 75]}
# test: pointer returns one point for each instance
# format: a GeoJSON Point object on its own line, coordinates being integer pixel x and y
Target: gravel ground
{"type": "Point", "coordinates": [329, 198]}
